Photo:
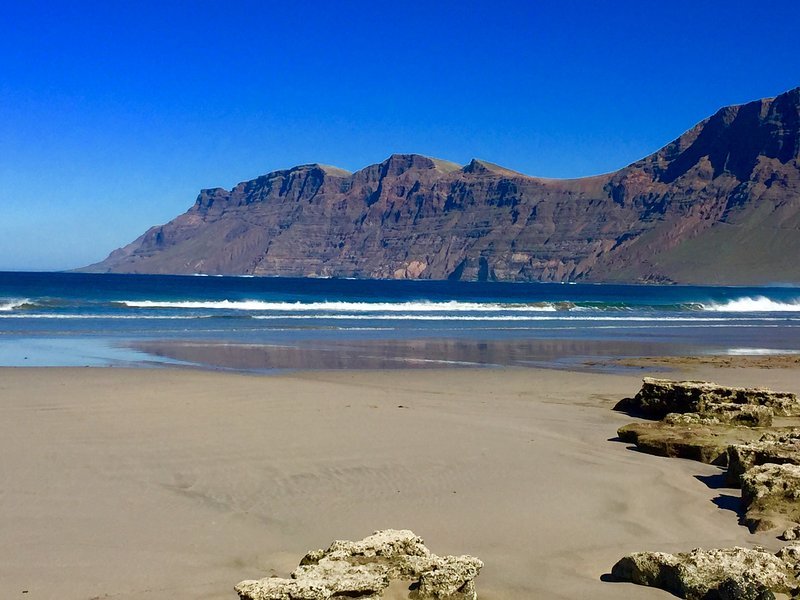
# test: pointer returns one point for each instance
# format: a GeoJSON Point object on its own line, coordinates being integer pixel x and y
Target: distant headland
{"type": "Point", "coordinates": [718, 205]}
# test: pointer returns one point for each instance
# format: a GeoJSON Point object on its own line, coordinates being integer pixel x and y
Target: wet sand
{"type": "Point", "coordinates": [725, 361]}
{"type": "Point", "coordinates": [162, 483]}
{"type": "Point", "coordinates": [414, 353]}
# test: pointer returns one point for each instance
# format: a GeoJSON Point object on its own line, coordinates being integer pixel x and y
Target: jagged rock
{"type": "Point", "coordinates": [771, 495]}
{"type": "Point", "coordinates": [707, 443]}
{"type": "Point", "coordinates": [771, 448]}
{"type": "Point", "coordinates": [364, 569]}
{"type": "Point", "coordinates": [790, 554]}
{"type": "Point", "coordinates": [792, 533]}
{"type": "Point", "coordinates": [659, 397]}
{"type": "Point", "coordinates": [385, 545]}
{"type": "Point", "coordinates": [452, 578]}
{"type": "Point", "coordinates": [727, 574]}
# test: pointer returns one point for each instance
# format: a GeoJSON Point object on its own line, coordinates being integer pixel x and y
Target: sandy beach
{"type": "Point", "coordinates": [160, 483]}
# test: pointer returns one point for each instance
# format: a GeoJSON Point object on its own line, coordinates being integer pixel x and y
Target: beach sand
{"type": "Point", "coordinates": [159, 483]}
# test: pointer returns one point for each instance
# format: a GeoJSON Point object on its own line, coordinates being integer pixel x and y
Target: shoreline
{"type": "Point", "coordinates": [187, 481]}
{"type": "Point", "coordinates": [430, 352]}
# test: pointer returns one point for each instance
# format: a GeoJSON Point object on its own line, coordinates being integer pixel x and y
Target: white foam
{"type": "Point", "coordinates": [755, 304]}
{"type": "Point", "coordinates": [429, 317]}
{"type": "Point", "coordinates": [743, 321]}
{"type": "Point", "coordinates": [95, 316]}
{"type": "Point", "coordinates": [759, 351]}
{"type": "Point", "coordinates": [7, 305]}
{"type": "Point", "coordinates": [351, 307]}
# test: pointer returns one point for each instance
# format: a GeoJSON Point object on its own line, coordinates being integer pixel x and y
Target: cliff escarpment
{"type": "Point", "coordinates": [720, 204]}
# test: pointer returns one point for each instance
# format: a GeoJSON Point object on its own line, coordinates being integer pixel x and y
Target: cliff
{"type": "Point", "coordinates": [721, 204]}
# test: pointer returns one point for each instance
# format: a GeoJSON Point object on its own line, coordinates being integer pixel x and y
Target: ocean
{"type": "Point", "coordinates": [269, 324]}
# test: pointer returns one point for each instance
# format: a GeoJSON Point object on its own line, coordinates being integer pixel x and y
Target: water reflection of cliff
{"type": "Point", "coordinates": [398, 353]}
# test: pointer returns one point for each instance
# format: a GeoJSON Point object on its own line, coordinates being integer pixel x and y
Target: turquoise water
{"type": "Point", "coordinates": [71, 319]}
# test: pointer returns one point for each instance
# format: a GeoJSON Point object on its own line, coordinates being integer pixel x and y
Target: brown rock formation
{"type": "Point", "coordinates": [706, 443]}
{"type": "Point", "coordinates": [711, 423]}
{"type": "Point", "coordinates": [727, 574]}
{"type": "Point", "coordinates": [659, 397]}
{"type": "Point", "coordinates": [698, 417]}
{"type": "Point", "coordinates": [726, 426]}
{"type": "Point", "coordinates": [771, 448]}
{"type": "Point", "coordinates": [365, 568]}
{"type": "Point", "coordinates": [721, 204]}
{"type": "Point", "coordinates": [771, 496]}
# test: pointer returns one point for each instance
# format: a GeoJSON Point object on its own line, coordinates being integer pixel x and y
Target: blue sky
{"type": "Point", "coordinates": [114, 114]}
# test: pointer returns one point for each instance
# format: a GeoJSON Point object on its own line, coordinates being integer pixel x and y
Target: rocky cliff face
{"type": "Point", "coordinates": [721, 204]}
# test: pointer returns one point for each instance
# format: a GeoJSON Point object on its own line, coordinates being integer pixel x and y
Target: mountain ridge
{"type": "Point", "coordinates": [719, 204]}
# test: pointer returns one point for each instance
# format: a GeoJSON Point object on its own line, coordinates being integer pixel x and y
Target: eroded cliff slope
{"type": "Point", "coordinates": [721, 204]}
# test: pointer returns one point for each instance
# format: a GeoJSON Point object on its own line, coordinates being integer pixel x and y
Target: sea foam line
{"type": "Point", "coordinates": [402, 307]}
{"type": "Point", "coordinates": [754, 304]}
{"type": "Point", "coordinates": [422, 317]}
{"type": "Point", "coordinates": [746, 304]}
{"type": "Point", "coordinates": [111, 317]}
{"type": "Point", "coordinates": [759, 351]}
{"type": "Point", "coordinates": [408, 317]}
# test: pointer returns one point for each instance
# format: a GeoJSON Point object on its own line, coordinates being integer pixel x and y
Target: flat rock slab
{"type": "Point", "coordinates": [706, 443]}
{"type": "Point", "coordinates": [659, 397]}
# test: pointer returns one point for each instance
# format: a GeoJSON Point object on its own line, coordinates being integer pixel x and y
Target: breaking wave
{"type": "Point", "coordinates": [754, 304]}
{"type": "Point", "coordinates": [7, 304]}
{"type": "Point", "coordinates": [353, 307]}
{"type": "Point", "coordinates": [100, 316]}
{"type": "Point", "coordinates": [475, 317]}
{"type": "Point", "coordinates": [401, 309]}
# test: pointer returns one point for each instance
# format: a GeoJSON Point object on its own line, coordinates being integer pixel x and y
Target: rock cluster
{"type": "Point", "coordinates": [728, 574]}
{"type": "Point", "coordinates": [700, 420]}
{"type": "Point", "coordinates": [364, 569]}
{"type": "Point", "coordinates": [726, 426]}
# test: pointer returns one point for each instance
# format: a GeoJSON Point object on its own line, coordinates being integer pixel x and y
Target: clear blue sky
{"type": "Point", "coordinates": [113, 114]}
